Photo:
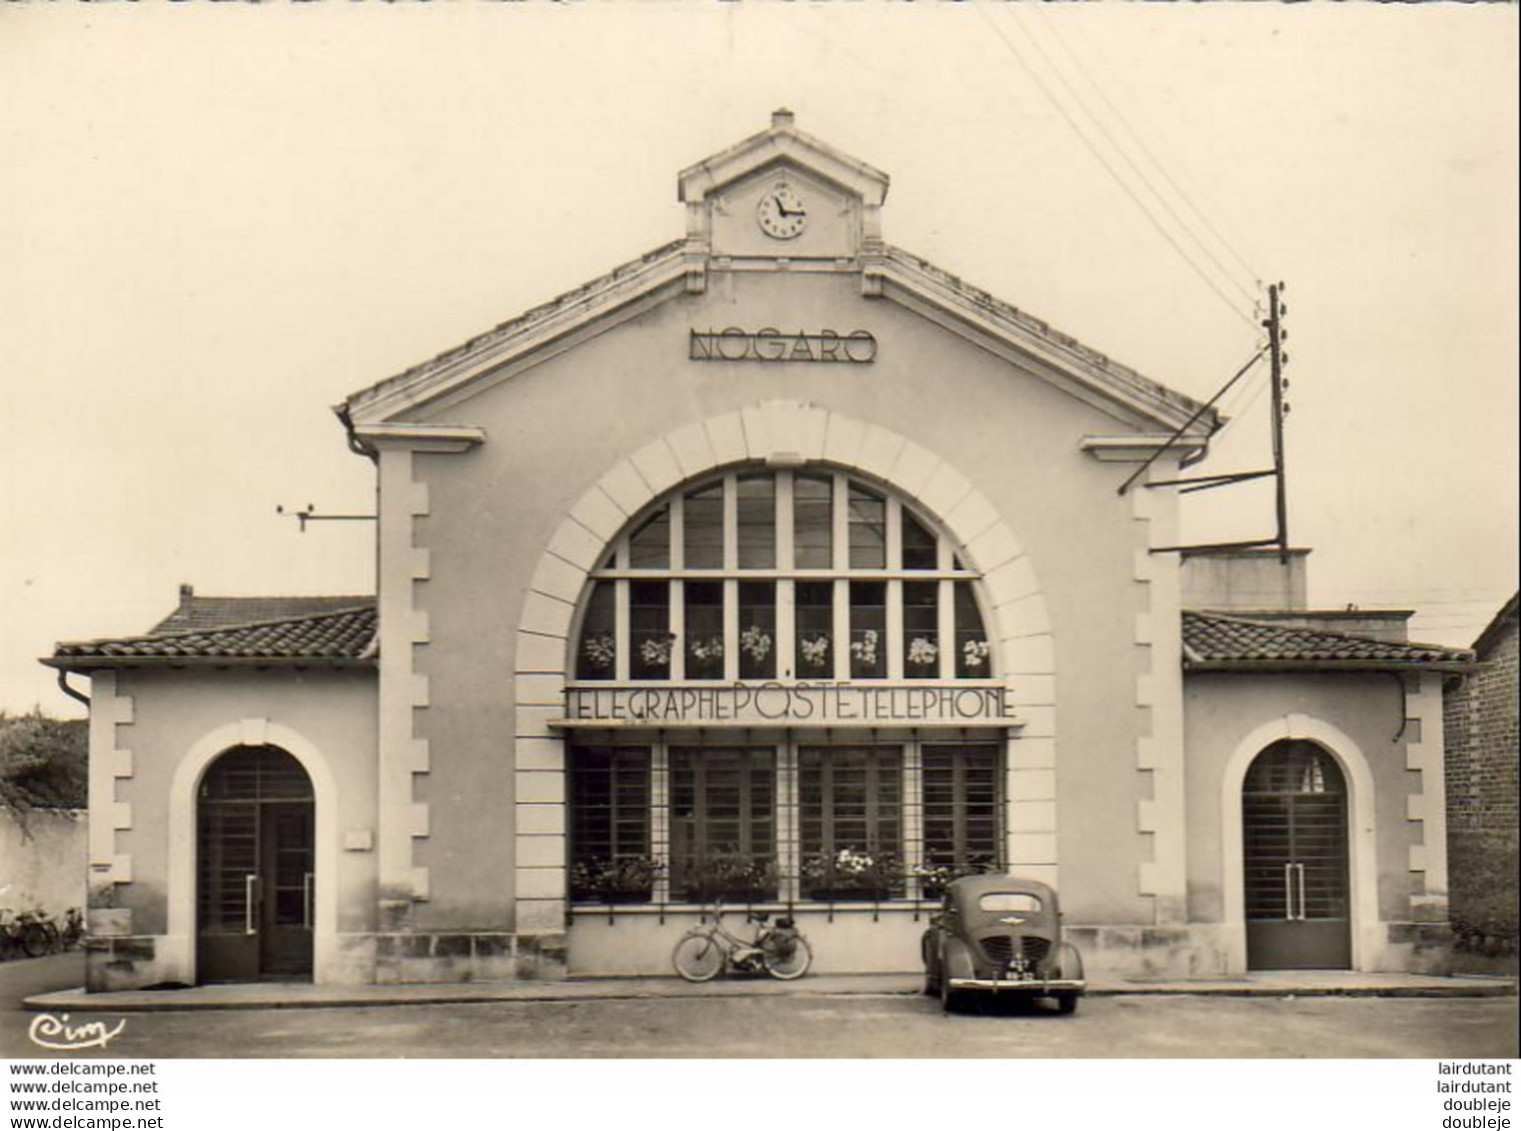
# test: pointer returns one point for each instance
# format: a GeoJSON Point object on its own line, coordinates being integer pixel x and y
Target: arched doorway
{"type": "Point", "coordinates": [256, 864]}
{"type": "Point", "coordinates": [1294, 840]}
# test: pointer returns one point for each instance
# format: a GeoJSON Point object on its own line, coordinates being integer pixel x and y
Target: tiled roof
{"type": "Point", "coordinates": [201, 613]}
{"type": "Point", "coordinates": [343, 637]}
{"type": "Point", "coordinates": [1211, 640]}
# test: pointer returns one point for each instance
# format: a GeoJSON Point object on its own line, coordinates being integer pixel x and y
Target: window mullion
{"type": "Point", "coordinates": [826, 808]}
{"type": "Point", "coordinates": [945, 610]}
{"type": "Point", "coordinates": [840, 515]}
{"type": "Point", "coordinates": [895, 629]}
{"type": "Point", "coordinates": [746, 839]}
{"type": "Point", "coordinates": [676, 625]}
{"type": "Point", "coordinates": [678, 530]}
{"type": "Point", "coordinates": [699, 806]}
{"type": "Point", "coordinates": [841, 608]}
{"type": "Point", "coordinates": [840, 521]}
{"type": "Point", "coordinates": [622, 631]}
{"type": "Point", "coordinates": [913, 814]}
{"type": "Point", "coordinates": [785, 554]}
{"type": "Point", "coordinates": [786, 628]}
{"type": "Point", "coordinates": [873, 842]}
{"type": "Point", "coordinates": [788, 820]}
{"type": "Point", "coordinates": [958, 809]}
{"type": "Point", "coordinates": [660, 819]}
{"type": "Point", "coordinates": [731, 522]}
{"type": "Point", "coordinates": [731, 629]}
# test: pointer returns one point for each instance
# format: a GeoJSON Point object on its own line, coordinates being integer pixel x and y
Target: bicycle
{"type": "Point", "coordinates": [708, 950]}
{"type": "Point", "coordinates": [73, 931]}
{"type": "Point", "coordinates": [25, 933]}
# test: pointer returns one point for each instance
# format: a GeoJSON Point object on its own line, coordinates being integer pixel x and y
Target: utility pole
{"type": "Point", "coordinates": [1277, 335]}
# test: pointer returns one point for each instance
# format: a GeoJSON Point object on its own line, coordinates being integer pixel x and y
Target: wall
{"type": "Point", "coordinates": [553, 430]}
{"type": "Point", "coordinates": [1244, 579]}
{"type": "Point", "coordinates": [42, 860]}
{"type": "Point", "coordinates": [1223, 710]}
{"type": "Point", "coordinates": [1481, 712]}
{"type": "Point", "coordinates": [161, 717]}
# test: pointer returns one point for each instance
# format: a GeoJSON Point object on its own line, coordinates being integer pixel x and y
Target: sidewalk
{"type": "Point", "coordinates": [1307, 983]}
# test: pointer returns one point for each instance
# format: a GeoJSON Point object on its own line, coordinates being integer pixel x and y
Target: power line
{"type": "Point", "coordinates": [1141, 144]}
{"type": "Point", "coordinates": [1182, 224]}
{"type": "Point", "coordinates": [1062, 110]}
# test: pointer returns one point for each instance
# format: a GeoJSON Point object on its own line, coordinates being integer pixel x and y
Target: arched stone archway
{"type": "Point", "coordinates": [178, 947]}
{"type": "Point", "coordinates": [788, 434]}
{"type": "Point", "coordinates": [1361, 839]}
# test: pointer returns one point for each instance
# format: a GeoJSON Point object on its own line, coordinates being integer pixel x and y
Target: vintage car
{"type": "Point", "coordinates": [998, 934]}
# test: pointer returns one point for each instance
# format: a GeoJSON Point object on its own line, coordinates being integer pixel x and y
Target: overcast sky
{"type": "Point", "coordinates": [219, 220]}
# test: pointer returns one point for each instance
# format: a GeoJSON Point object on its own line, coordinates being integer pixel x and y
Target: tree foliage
{"type": "Point", "coordinates": [43, 762]}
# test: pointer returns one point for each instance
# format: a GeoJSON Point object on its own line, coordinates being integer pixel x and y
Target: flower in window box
{"type": "Point", "coordinates": [865, 649]}
{"type": "Point", "coordinates": [627, 879]}
{"type": "Point", "coordinates": [851, 873]}
{"type": "Point", "coordinates": [600, 650]}
{"type": "Point", "coordinates": [974, 653]}
{"type": "Point", "coordinates": [730, 875]}
{"type": "Point", "coordinates": [933, 877]}
{"type": "Point", "coordinates": [922, 651]}
{"type": "Point", "coordinates": [815, 650]}
{"type": "Point", "coordinates": [708, 648]}
{"type": "Point", "coordinates": [755, 642]}
{"type": "Point", "coordinates": [656, 652]}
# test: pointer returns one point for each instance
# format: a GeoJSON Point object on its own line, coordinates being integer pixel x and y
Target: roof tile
{"type": "Point", "coordinates": [340, 635]}
{"type": "Point", "coordinates": [1210, 639]}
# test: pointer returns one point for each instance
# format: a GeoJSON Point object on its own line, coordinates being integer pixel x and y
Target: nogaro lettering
{"type": "Point", "coordinates": [858, 347]}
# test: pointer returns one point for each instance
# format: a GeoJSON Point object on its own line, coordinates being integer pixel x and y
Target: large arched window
{"type": "Point", "coordinates": [782, 575]}
{"type": "Point", "coordinates": [802, 577]}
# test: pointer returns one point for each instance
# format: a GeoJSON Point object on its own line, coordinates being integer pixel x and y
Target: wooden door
{"type": "Point", "coordinates": [1294, 824]}
{"type": "Point", "coordinates": [256, 824]}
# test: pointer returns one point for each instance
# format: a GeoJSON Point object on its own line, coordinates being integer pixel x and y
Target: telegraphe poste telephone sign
{"type": "Point", "coordinates": [959, 704]}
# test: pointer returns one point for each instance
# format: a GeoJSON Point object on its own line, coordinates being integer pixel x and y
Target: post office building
{"type": "Point", "coordinates": [781, 567]}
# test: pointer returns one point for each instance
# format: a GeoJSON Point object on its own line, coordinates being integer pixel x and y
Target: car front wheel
{"type": "Point", "coordinates": [949, 999]}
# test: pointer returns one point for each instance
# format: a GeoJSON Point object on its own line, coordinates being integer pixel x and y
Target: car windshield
{"type": "Point", "coordinates": [1009, 901]}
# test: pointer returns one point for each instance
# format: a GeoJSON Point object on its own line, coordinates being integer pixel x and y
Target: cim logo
{"type": "Point", "coordinates": [858, 347]}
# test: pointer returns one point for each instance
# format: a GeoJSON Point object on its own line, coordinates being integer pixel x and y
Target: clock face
{"type": "Point", "coordinates": [781, 213]}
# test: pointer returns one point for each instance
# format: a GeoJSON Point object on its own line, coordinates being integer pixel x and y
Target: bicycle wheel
{"type": "Point", "coordinates": [698, 958]}
{"type": "Point", "coordinates": [34, 940]}
{"type": "Point", "coordinates": [789, 960]}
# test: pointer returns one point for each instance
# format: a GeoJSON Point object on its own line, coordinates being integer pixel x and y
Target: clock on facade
{"type": "Point", "coordinates": [781, 213]}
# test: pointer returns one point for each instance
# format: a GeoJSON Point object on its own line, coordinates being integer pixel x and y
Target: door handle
{"type": "Point", "coordinates": [1288, 892]}
{"type": "Point", "coordinates": [306, 901]}
{"type": "Point", "coordinates": [1300, 868]}
{"type": "Point", "coordinates": [249, 882]}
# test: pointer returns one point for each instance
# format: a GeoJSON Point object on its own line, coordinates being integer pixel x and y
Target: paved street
{"type": "Point", "coordinates": [805, 1026]}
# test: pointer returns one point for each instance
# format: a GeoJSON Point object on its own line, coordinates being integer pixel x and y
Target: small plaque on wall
{"type": "Point", "coordinates": [358, 840]}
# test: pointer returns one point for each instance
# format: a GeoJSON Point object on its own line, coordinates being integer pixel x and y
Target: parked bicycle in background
{"type": "Point", "coordinates": [36, 933]}
{"type": "Point", "coordinates": [710, 948]}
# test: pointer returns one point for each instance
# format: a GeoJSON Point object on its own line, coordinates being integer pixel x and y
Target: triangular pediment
{"type": "Point", "coordinates": [726, 195]}
{"type": "Point", "coordinates": [782, 144]}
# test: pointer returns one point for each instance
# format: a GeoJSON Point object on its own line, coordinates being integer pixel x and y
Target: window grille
{"type": "Point", "coordinates": [836, 824]}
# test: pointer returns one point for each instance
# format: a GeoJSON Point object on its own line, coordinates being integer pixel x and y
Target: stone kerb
{"type": "Point", "coordinates": [780, 433]}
